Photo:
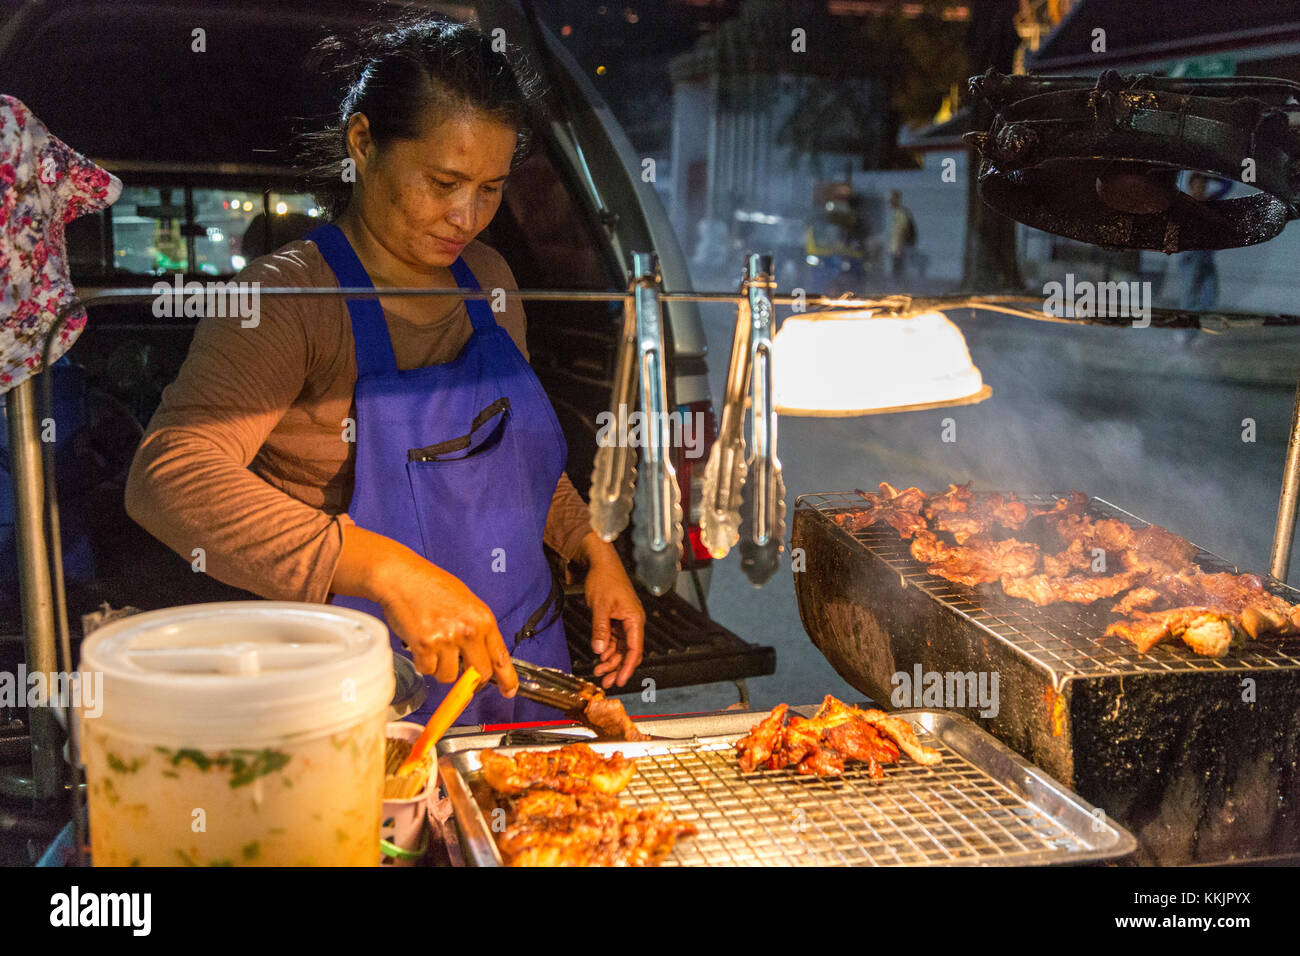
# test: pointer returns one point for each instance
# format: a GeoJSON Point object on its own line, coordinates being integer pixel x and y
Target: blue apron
{"type": "Point", "coordinates": [459, 462]}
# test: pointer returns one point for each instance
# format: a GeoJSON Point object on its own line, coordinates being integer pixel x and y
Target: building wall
{"type": "Point", "coordinates": [938, 208]}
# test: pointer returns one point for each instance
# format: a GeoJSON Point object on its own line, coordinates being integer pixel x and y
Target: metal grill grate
{"type": "Point", "coordinates": [948, 813]}
{"type": "Point", "coordinates": [1065, 639]}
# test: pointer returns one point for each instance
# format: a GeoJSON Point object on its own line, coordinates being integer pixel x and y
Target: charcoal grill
{"type": "Point", "coordinates": [980, 806]}
{"type": "Point", "coordinates": [1198, 756]}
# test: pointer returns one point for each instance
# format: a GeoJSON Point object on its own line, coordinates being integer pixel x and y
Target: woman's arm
{"type": "Point", "coordinates": [190, 485]}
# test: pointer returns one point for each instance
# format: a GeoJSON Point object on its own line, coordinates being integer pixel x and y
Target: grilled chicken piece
{"type": "Point", "coordinates": [1140, 598]}
{"type": "Point", "coordinates": [836, 734]}
{"type": "Point", "coordinates": [1044, 589]}
{"type": "Point", "coordinates": [1240, 597]}
{"type": "Point", "coordinates": [900, 732]}
{"type": "Point", "coordinates": [963, 514]}
{"type": "Point", "coordinates": [979, 561]}
{"type": "Point", "coordinates": [572, 768]}
{"type": "Point", "coordinates": [1203, 629]}
{"type": "Point", "coordinates": [1007, 511]}
{"type": "Point", "coordinates": [1210, 634]}
{"type": "Point", "coordinates": [1109, 534]}
{"type": "Point", "coordinates": [587, 829]}
{"type": "Point", "coordinates": [609, 719]}
{"type": "Point", "coordinates": [858, 740]}
{"type": "Point", "coordinates": [1158, 551]}
{"type": "Point", "coordinates": [834, 712]}
{"type": "Point", "coordinates": [900, 509]}
{"type": "Point", "coordinates": [552, 803]}
{"type": "Point", "coordinates": [1073, 558]}
{"type": "Point", "coordinates": [561, 811]}
{"type": "Point", "coordinates": [956, 500]}
{"type": "Point", "coordinates": [1075, 504]}
{"type": "Point", "coordinates": [822, 762]}
{"type": "Point", "coordinates": [763, 738]}
{"type": "Point", "coordinates": [800, 739]}
{"type": "Point", "coordinates": [950, 512]}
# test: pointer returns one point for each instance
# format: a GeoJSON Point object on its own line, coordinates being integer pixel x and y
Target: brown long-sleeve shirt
{"type": "Point", "coordinates": [247, 457]}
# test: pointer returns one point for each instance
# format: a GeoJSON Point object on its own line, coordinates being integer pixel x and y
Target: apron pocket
{"type": "Point", "coordinates": [460, 510]}
{"type": "Point", "coordinates": [484, 434]}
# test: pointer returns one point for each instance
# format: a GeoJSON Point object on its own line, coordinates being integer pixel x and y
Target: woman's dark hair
{"type": "Point", "coordinates": [400, 75]}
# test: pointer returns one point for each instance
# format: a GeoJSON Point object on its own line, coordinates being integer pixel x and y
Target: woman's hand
{"type": "Point", "coordinates": [440, 619]}
{"type": "Point", "coordinates": [617, 617]}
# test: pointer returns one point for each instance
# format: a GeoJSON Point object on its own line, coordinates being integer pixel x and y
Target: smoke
{"type": "Point", "coordinates": [1141, 418]}
{"type": "Point", "coordinates": [1148, 419]}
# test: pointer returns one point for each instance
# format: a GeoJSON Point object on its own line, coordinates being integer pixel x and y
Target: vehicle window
{"type": "Point", "coordinates": [157, 230]}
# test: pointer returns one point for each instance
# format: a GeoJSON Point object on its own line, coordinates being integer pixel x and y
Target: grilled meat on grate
{"type": "Point", "coordinates": [546, 828]}
{"type": "Point", "coordinates": [1204, 630]}
{"type": "Point", "coordinates": [964, 514]}
{"type": "Point", "coordinates": [822, 745]}
{"type": "Point", "coordinates": [1236, 593]}
{"type": "Point", "coordinates": [979, 561]}
{"type": "Point", "coordinates": [572, 768]}
{"type": "Point", "coordinates": [562, 809]}
{"type": "Point", "coordinates": [1168, 594]}
{"type": "Point", "coordinates": [1044, 589]}
{"type": "Point", "coordinates": [901, 510]}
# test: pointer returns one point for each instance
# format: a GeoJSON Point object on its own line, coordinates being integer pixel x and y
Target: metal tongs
{"type": "Point", "coordinates": [615, 485]}
{"type": "Point", "coordinates": [744, 500]}
{"type": "Point", "coordinates": [554, 688]}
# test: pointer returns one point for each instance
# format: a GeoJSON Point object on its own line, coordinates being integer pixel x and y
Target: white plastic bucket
{"type": "Point", "coordinates": [236, 733]}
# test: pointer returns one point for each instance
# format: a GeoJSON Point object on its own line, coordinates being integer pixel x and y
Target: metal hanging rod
{"type": "Point", "coordinates": [108, 296]}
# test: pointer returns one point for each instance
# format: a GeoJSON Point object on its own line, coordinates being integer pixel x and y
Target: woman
{"type": "Point", "coordinates": [393, 454]}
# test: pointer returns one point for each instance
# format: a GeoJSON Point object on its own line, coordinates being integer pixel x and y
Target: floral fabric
{"type": "Point", "coordinates": [44, 185]}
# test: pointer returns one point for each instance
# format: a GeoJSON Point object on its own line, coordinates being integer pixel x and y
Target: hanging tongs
{"type": "Point", "coordinates": [744, 500]}
{"type": "Point", "coordinates": [615, 484]}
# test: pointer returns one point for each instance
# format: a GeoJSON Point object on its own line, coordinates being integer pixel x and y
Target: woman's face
{"type": "Point", "coordinates": [425, 199]}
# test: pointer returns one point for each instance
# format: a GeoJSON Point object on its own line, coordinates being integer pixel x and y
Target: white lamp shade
{"type": "Point", "coordinates": [853, 363]}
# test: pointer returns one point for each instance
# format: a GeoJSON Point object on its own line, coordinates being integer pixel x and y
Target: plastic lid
{"type": "Point", "coordinates": [237, 672]}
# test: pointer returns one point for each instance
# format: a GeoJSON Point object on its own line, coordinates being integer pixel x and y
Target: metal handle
{"type": "Point", "coordinates": [657, 538]}
{"type": "Point", "coordinates": [763, 504]}
{"type": "Point", "coordinates": [552, 687]}
{"type": "Point", "coordinates": [613, 474]}
{"type": "Point", "coordinates": [724, 475]}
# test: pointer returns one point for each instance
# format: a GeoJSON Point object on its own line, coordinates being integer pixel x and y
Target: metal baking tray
{"type": "Point", "coordinates": [983, 805]}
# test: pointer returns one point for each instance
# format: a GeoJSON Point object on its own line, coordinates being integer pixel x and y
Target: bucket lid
{"type": "Point", "coordinates": [237, 671]}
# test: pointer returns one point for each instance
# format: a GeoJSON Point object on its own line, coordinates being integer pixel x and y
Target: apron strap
{"type": "Point", "coordinates": [480, 313]}
{"type": "Point", "coordinates": [545, 615]}
{"type": "Point", "coordinates": [369, 330]}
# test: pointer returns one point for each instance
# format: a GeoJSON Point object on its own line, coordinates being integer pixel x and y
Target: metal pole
{"type": "Point", "coordinates": [34, 578]}
{"type": "Point", "coordinates": [1284, 533]}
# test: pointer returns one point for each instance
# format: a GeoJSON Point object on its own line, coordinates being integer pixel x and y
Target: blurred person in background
{"type": "Point", "coordinates": [902, 235]}
{"type": "Point", "coordinates": [1200, 278]}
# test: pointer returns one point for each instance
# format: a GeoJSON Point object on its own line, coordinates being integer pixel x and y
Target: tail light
{"type": "Point", "coordinates": [699, 424]}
